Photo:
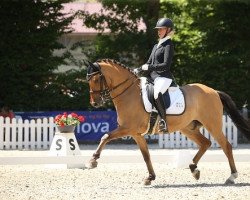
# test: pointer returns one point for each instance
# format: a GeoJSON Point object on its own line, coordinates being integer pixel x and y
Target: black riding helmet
{"type": "Point", "coordinates": [165, 23]}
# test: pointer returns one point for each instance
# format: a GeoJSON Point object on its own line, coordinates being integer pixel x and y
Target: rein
{"type": "Point", "coordinates": [124, 89]}
{"type": "Point", "coordinates": [104, 89]}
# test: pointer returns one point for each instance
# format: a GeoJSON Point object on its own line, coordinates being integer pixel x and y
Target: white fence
{"type": "Point", "coordinates": [33, 134]}
{"type": "Point", "coordinates": [38, 134]}
{"type": "Point", "coordinates": [177, 140]}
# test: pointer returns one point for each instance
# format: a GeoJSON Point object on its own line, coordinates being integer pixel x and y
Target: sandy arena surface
{"type": "Point", "coordinates": [118, 180]}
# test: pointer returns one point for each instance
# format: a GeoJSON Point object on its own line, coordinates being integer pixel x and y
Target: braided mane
{"type": "Point", "coordinates": [115, 62]}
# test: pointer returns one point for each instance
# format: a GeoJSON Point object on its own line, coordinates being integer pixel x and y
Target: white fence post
{"type": "Point", "coordinates": [7, 133]}
{"type": "Point", "coordinates": [51, 128]}
{"type": "Point", "coordinates": [161, 140]}
{"type": "Point", "coordinates": [39, 138]}
{"type": "Point", "coordinates": [45, 133]}
{"type": "Point", "coordinates": [32, 134]}
{"type": "Point", "coordinates": [13, 134]}
{"type": "Point", "coordinates": [177, 140]}
{"type": "Point", "coordinates": [20, 134]}
{"type": "Point", "coordinates": [26, 134]}
{"type": "Point", "coordinates": [1, 133]}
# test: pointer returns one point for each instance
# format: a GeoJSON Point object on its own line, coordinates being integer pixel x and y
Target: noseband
{"type": "Point", "coordinates": [104, 89]}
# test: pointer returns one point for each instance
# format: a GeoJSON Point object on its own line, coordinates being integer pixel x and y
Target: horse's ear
{"type": "Point", "coordinates": [89, 63]}
{"type": "Point", "coordinates": [85, 63]}
{"type": "Point", "coordinates": [92, 67]}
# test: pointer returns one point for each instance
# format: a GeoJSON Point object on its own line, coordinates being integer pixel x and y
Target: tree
{"type": "Point", "coordinates": [126, 43]}
{"type": "Point", "coordinates": [186, 40]}
{"type": "Point", "coordinates": [224, 48]}
{"type": "Point", "coordinates": [29, 31]}
{"type": "Point", "coordinates": [69, 92]}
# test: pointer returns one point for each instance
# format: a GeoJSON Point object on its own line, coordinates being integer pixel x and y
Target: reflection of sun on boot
{"type": "Point", "coordinates": [162, 126]}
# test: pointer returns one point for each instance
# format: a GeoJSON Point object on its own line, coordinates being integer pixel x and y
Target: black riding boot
{"type": "Point", "coordinates": [160, 106]}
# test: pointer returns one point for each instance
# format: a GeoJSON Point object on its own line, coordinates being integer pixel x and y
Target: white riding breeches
{"type": "Point", "coordinates": [161, 84]}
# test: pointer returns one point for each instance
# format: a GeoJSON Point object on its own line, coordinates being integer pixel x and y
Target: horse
{"type": "Point", "coordinates": [204, 107]}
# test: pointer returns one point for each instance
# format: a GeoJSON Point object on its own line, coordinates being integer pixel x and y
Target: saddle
{"type": "Point", "coordinates": [174, 101]}
{"type": "Point", "coordinates": [173, 98]}
{"type": "Point", "coordinates": [150, 94]}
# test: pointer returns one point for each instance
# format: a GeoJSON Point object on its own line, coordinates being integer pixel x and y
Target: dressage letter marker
{"type": "Point", "coordinates": [65, 144]}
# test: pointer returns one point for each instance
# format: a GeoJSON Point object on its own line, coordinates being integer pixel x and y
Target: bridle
{"type": "Point", "coordinates": [104, 88]}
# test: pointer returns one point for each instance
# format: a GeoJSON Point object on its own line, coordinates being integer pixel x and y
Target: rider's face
{"type": "Point", "coordinates": [162, 32]}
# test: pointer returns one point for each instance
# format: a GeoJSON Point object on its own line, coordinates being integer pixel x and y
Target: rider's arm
{"type": "Point", "coordinates": [150, 57]}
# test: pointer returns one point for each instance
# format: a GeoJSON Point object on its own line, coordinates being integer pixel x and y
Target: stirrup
{"type": "Point", "coordinates": [163, 126]}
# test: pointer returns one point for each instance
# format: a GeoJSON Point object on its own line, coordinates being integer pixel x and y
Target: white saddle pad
{"type": "Point", "coordinates": [177, 101]}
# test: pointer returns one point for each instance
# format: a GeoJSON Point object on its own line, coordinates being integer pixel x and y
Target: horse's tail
{"type": "Point", "coordinates": [230, 107]}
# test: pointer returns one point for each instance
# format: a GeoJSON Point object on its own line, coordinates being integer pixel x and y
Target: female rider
{"type": "Point", "coordinates": [158, 67]}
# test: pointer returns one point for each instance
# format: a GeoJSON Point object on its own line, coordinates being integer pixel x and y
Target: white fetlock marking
{"type": "Point", "coordinates": [104, 137]}
{"type": "Point", "coordinates": [195, 171]}
{"type": "Point", "coordinates": [233, 176]}
{"type": "Point", "coordinates": [236, 175]}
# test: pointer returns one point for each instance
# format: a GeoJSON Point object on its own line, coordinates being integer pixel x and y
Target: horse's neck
{"type": "Point", "coordinates": [126, 95]}
{"type": "Point", "coordinates": [129, 103]}
{"type": "Point", "coordinates": [122, 81]}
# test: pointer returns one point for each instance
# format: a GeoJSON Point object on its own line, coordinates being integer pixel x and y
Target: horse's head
{"type": "Point", "coordinates": [97, 84]}
{"type": "Point", "coordinates": [107, 79]}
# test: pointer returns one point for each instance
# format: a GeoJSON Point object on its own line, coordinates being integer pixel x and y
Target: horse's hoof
{"type": "Point", "coordinates": [92, 164]}
{"type": "Point", "coordinates": [147, 182]}
{"type": "Point", "coordinates": [229, 182]}
{"type": "Point", "coordinates": [196, 174]}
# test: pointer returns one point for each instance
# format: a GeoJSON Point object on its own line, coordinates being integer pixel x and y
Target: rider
{"type": "Point", "coordinates": [158, 67]}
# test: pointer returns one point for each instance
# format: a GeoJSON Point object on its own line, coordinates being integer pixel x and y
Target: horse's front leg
{"type": "Point", "coordinates": [141, 142]}
{"type": "Point", "coordinates": [117, 133]}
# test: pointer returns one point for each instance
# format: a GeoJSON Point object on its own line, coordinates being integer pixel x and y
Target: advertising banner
{"type": "Point", "coordinates": [96, 124]}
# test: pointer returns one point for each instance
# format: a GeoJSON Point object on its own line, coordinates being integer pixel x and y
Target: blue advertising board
{"type": "Point", "coordinates": [96, 124]}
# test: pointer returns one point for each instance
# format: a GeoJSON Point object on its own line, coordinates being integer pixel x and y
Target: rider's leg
{"type": "Point", "coordinates": [160, 106]}
{"type": "Point", "coordinates": [161, 84]}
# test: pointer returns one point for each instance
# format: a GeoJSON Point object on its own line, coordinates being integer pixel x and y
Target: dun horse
{"type": "Point", "coordinates": [204, 107]}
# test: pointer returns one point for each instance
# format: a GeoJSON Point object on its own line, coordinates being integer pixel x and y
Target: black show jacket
{"type": "Point", "coordinates": [161, 58]}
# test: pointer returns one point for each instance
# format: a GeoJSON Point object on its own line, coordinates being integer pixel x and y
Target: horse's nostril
{"type": "Point", "coordinates": [94, 104]}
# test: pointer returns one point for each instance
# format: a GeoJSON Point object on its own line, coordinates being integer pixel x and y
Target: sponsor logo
{"type": "Point", "coordinates": [101, 127]}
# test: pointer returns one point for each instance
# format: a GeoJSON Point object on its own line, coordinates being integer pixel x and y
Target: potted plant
{"type": "Point", "coordinates": [66, 123]}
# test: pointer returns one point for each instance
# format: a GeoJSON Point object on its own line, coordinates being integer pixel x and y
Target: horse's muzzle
{"type": "Point", "coordinates": [96, 105]}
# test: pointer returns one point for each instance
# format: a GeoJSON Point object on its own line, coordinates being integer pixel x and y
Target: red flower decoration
{"type": "Point", "coordinates": [68, 119]}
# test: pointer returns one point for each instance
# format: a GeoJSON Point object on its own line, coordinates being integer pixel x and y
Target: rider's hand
{"type": "Point", "coordinates": [137, 70]}
{"type": "Point", "coordinates": [144, 67]}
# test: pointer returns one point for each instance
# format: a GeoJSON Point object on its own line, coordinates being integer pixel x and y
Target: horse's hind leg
{"type": "Point", "coordinates": [216, 132]}
{"type": "Point", "coordinates": [227, 149]}
{"type": "Point", "coordinates": [141, 142]}
{"type": "Point", "coordinates": [203, 144]}
{"type": "Point", "coordinates": [117, 133]}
